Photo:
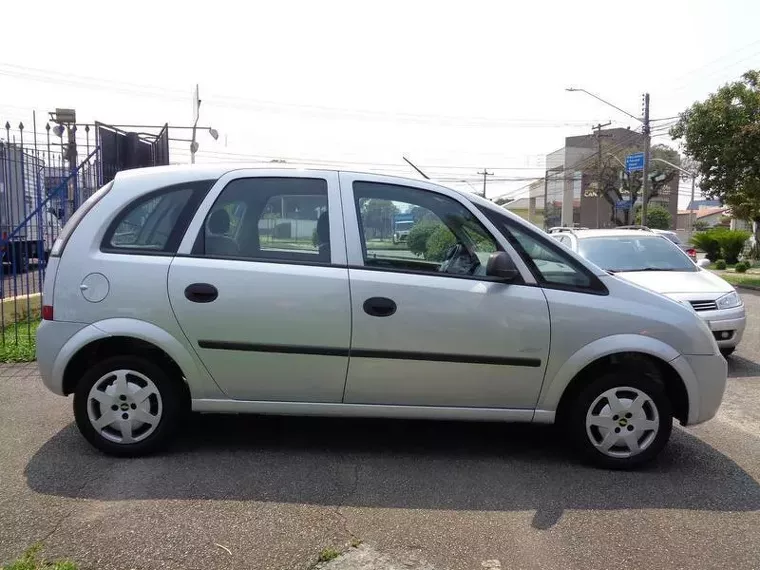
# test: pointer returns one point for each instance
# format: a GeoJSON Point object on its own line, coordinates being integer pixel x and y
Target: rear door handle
{"type": "Point", "coordinates": [379, 306]}
{"type": "Point", "coordinates": [201, 293]}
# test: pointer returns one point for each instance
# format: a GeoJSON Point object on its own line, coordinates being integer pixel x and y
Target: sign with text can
{"type": "Point", "coordinates": [634, 162]}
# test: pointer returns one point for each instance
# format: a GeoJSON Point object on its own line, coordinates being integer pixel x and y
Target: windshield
{"type": "Point", "coordinates": [634, 253]}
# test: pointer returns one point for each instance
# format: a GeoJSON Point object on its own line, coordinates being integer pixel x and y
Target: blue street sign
{"type": "Point", "coordinates": [623, 205]}
{"type": "Point", "coordinates": [634, 162]}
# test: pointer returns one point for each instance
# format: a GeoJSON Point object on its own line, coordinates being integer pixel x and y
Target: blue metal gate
{"type": "Point", "coordinates": [44, 178]}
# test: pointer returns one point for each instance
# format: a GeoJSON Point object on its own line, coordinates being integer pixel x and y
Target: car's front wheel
{"type": "Point", "coordinates": [621, 420]}
{"type": "Point", "coordinates": [127, 406]}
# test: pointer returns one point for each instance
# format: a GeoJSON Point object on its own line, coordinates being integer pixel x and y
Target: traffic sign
{"type": "Point", "coordinates": [623, 205]}
{"type": "Point", "coordinates": [634, 162]}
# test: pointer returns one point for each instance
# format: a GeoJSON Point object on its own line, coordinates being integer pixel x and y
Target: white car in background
{"type": "Point", "coordinates": [653, 261]}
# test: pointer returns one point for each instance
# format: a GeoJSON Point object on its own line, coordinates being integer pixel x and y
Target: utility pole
{"type": "Point", "coordinates": [647, 143]}
{"type": "Point", "coordinates": [485, 175]}
{"type": "Point", "coordinates": [600, 182]}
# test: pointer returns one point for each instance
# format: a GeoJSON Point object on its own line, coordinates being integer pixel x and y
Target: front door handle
{"type": "Point", "coordinates": [201, 293]}
{"type": "Point", "coordinates": [379, 306]}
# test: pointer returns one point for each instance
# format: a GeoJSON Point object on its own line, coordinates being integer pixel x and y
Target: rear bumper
{"type": "Point", "coordinates": [52, 336]}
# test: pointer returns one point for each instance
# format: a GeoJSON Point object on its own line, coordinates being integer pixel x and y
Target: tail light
{"type": "Point", "coordinates": [47, 312]}
{"type": "Point", "coordinates": [691, 252]}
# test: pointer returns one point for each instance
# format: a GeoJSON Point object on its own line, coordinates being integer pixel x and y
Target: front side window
{"type": "Point", "coordinates": [635, 253]}
{"type": "Point", "coordinates": [408, 229]}
{"type": "Point", "coordinates": [156, 222]}
{"type": "Point", "coordinates": [283, 219]}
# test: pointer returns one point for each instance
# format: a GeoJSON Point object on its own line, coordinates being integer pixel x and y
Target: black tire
{"type": "Point", "coordinates": [173, 405]}
{"type": "Point", "coordinates": [575, 418]}
{"type": "Point", "coordinates": [726, 352]}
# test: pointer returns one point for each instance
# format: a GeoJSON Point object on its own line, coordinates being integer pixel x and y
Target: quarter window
{"type": "Point", "coordinates": [551, 266]}
{"type": "Point", "coordinates": [408, 229]}
{"type": "Point", "coordinates": [269, 219]}
{"type": "Point", "coordinates": [155, 223]}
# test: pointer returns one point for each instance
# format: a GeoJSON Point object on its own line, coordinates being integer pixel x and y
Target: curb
{"type": "Point", "coordinates": [747, 287]}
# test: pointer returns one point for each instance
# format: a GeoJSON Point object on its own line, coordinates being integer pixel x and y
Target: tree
{"type": "Point", "coordinates": [618, 185]}
{"type": "Point", "coordinates": [377, 216]}
{"type": "Point", "coordinates": [419, 235]}
{"type": "Point", "coordinates": [658, 217]}
{"type": "Point", "coordinates": [722, 134]}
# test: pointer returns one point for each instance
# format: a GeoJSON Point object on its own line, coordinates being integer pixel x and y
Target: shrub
{"type": "Point", "coordinates": [706, 242]}
{"type": "Point", "coordinates": [720, 264]}
{"type": "Point", "coordinates": [658, 218]}
{"type": "Point", "coordinates": [731, 243]}
{"type": "Point", "coordinates": [439, 243]}
{"type": "Point", "coordinates": [741, 267]}
{"type": "Point", "coordinates": [419, 236]}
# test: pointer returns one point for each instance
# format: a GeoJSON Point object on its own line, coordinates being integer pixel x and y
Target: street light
{"type": "Point", "coordinates": [647, 141]}
{"type": "Point", "coordinates": [693, 185]}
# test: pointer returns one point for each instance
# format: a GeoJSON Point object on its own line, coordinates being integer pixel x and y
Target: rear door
{"type": "Point", "coordinates": [429, 328]}
{"type": "Point", "coordinates": [260, 286]}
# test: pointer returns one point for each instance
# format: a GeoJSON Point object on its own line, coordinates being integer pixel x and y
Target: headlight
{"type": "Point", "coordinates": [729, 300]}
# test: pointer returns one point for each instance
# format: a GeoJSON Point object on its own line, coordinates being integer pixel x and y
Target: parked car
{"type": "Point", "coordinates": [163, 296]}
{"type": "Point", "coordinates": [652, 261]}
{"type": "Point", "coordinates": [672, 236]}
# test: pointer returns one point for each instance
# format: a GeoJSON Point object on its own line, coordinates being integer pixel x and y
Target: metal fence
{"type": "Point", "coordinates": [44, 177]}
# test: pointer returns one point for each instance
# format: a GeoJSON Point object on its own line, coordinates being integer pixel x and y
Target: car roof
{"type": "Point", "coordinates": [183, 172]}
{"type": "Point", "coordinates": [582, 234]}
{"type": "Point", "coordinates": [179, 173]}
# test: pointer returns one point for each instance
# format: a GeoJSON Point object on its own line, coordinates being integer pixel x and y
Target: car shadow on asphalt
{"type": "Point", "coordinates": [739, 367]}
{"type": "Point", "coordinates": [391, 464]}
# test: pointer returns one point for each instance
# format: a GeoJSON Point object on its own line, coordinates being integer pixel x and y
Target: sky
{"type": "Point", "coordinates": [456, 87]}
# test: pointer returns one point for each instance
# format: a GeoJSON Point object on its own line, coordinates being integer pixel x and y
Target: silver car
{"type": "Point", "coordinates": [652, 261]}
{"type": "Point", "coordinates": [226, 289]}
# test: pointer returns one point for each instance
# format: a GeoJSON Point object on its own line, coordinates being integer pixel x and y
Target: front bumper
{"type": "Point", "coordinates": [705, 379]}
{"type": "Point", "coordinates": [727, 325]}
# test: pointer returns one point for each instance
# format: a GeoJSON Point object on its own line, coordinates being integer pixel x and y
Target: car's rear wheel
{"type": "Point", "coordinates": [621, 420]}
{"type": "Point", "coordinates": [127, 406]}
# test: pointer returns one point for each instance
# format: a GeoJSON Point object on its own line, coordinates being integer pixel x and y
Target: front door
{"type": "Point", "coordinates": [260, 286]}
{"type": "Point", "coordinates": [429, 328]}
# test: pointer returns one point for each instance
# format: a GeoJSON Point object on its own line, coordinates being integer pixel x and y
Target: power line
{"type": "Point", "coordinates": [48, 76]}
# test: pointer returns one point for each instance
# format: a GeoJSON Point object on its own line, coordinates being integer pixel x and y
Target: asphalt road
{"type": "Point", "coordinates": [275, 491]}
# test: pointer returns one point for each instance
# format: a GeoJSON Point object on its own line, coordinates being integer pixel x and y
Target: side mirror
{"type": "Point", "coordinates": [703, 263]}
{"type": "Point", "coordinates": [501, 266]}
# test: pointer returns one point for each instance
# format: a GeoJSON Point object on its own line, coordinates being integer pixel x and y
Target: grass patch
{"type": "Point", "coordinates": [18, 342]}
{"type": "Point", "coordinates": [328, 554]}
{"type": "Point", "coordinates": [741, 279]}
{"type": "Point", "coordinates": [30, 560]}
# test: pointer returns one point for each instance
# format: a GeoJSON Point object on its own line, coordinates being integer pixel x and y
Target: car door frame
{"type": "Point", "coordinates": [354, 249]}
{"type": "Point", "coordinates": [337, 261]}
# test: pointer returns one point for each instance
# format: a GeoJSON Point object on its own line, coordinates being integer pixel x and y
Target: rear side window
{"type": "Point", "coordinates": [269, 219]}
{"type": "Point", "coordinates": [155, 223]}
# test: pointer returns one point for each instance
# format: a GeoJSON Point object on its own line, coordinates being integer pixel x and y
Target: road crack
{"type": "Point", "coordinates": [67, 515]}
{"type": "Point", "coordinates": [340, 505]}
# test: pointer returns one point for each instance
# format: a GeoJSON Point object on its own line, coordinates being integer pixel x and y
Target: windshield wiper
{"type": "Point", "coordinates": [648, 269]}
